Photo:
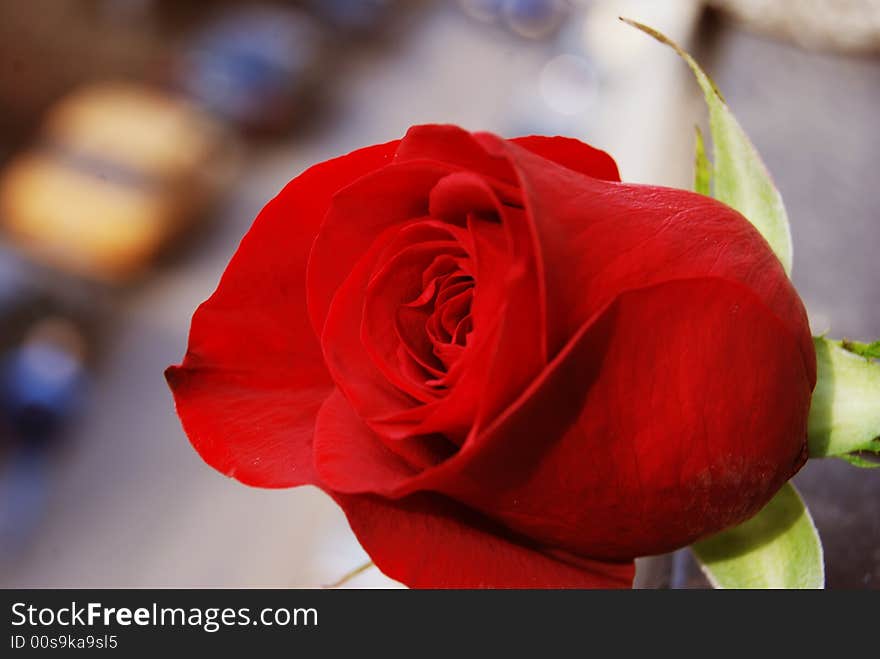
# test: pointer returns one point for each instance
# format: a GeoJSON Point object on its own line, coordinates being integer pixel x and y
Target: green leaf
{"type": "Point", "coordinates": [867, 350]}
{"type": "Point", "coordinates": [859, 461]}
{"type": "Point", "coordinates": [845, 410]}
{"type": "Point", "coordinates": [702, 167]}
{"type": "Point", "coordinates": [777, 548]}
{"type": "Point", "coordinates": [741, 179]}
{"type": "Point", "coordinates": [873, 446]}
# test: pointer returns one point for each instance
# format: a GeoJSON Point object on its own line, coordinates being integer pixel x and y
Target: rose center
{"type": "Point", "coordinates": [435, 326]}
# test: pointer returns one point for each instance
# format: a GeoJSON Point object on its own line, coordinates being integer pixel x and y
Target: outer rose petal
{"type": "Point", "coordinates": [572, 154]}
{"type": "Point", "coordinates": [598, 238]}
{"type": "Point", "coordinates": [351, 458]}
{"type": "Point", "coordinates": [253, 378]}
{"type": "Point", "coordinates": [356, 216]}
{"type": "Point", "coordinates": [454, 146]}
{"type": "Point", "coordinates": [689, 418]}
{"type": "Point", "coordinates": [426, 541]}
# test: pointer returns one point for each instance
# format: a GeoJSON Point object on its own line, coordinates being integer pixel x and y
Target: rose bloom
{"type": "Point", "coordinates": [507, 367]}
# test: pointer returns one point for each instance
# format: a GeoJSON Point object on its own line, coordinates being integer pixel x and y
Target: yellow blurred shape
{"type": "Point", "coordinates": [80, 222]}
{"type": "Point", "coordinates": [120, 170]}
{"type": "Point", "coordinates": [133, 126]}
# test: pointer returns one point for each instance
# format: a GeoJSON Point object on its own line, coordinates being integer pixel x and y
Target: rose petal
{"type": "Point", "coordinates": [391, 286]}
{"type": "Point", "coordinates": [253, 378]}
{"type": "Point", "coordinates": [509, 289]}
{"type": "Point", "coordinates": [672, 406]}
{"type": "Point", "coordinates": [357, 215]}
{"type": "Point", "coordinates": [573, 154]}
{"type": "Point", "coordinates": [350, 365]}
{"type": "Point", "coordinates": [464, 194]}
{"type": "Point", "coordinates": [603, 237]}
{"type": "Point", "coordinates": [425, 541]}
{"type": "Point", "coordinates": [352, 458]}
{"type": "Point", "coordinates": [254, 429]}
{"type": "Point", "coordinates": [556, 396]}
{"type": "Point", "coordinates": [455, 146]}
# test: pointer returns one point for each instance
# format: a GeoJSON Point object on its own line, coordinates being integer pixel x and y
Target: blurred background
{"type": "Point", "coordinates": [139, 138]}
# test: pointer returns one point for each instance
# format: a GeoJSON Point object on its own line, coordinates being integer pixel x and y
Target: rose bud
{"type": "Point", "coordinates": [507, 367]}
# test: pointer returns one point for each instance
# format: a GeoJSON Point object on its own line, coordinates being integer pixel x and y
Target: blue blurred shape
{"type": "Point", "coordinates": [248, 65]}
{"type": "Point", "coordinates": [535, 19]}
{"type": "Point", "coordinates": [23, 494]}
{"type": "Point", "coordinates": [40, 387]}
{"type": "Point", "coordinates": [353, 15]}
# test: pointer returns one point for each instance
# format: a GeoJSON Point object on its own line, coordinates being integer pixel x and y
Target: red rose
{"type": "Point", "coordinates": [507, 367]}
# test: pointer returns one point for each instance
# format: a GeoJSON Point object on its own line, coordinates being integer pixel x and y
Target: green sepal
{"type": "Point", "coordinates": [740, 178]}
{"type": "Point", "coordinates": [859, 461]}
{"type": "Point", "coordinates": [845, 410]}
{"type": "Point", "coordinates": [777, 548]}
{"type": "Point", "coordinates": [866, 350]}
{"type": "Point", "coordinates": [702, 166]}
